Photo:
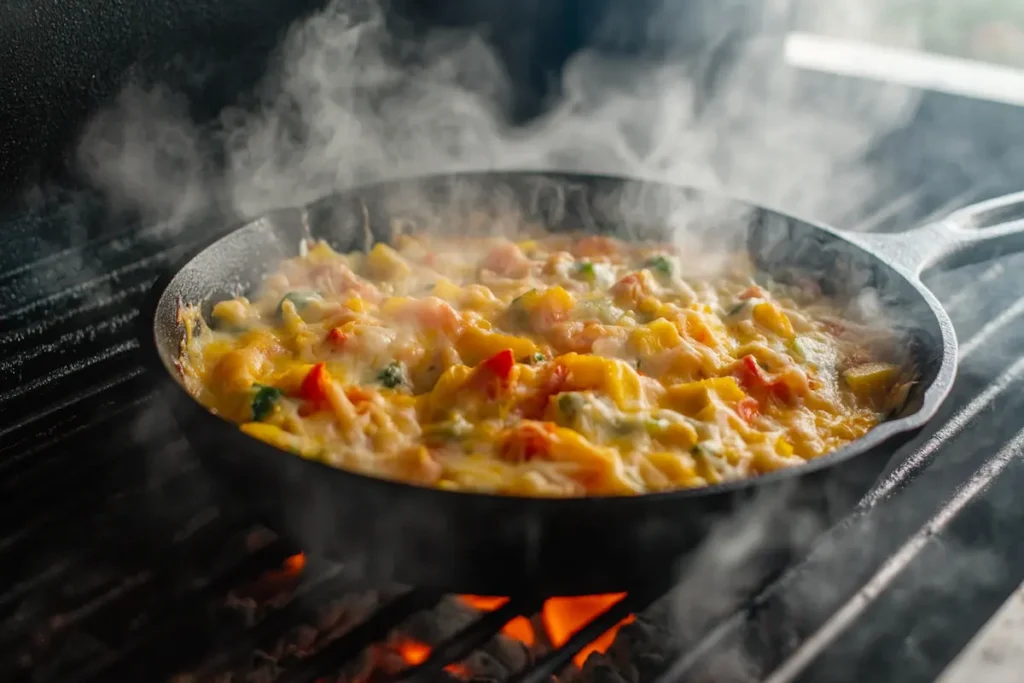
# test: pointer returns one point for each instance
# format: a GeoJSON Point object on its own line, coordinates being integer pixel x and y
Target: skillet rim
{"type": "Point", "coordinates": [934, 395]}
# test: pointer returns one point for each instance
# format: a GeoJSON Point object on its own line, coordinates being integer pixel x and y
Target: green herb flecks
{"type": "Point", "coordinates": [393, 375]}
{"type": "Point", "coordinates": [660, 265]}
{"type": "Point", "coordinates": [585, 271]}
{"type": "Point", "coordinates": [263, 401]}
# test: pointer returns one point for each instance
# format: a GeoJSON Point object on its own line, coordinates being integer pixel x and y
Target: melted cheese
{"type": "Point", "coordinates": [555, 367]}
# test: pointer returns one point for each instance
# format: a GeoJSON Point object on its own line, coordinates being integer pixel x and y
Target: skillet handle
{"type": "Point", "coordinates": [976, 233]}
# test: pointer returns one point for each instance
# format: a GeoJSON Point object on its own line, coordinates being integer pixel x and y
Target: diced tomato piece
{"type": "Point", "coordinates": [748, 408]}
{"type": "Point", "coordinates": [528, 441]}
{"type": "Point", "coordinates": [314, 386]}
{"type": "Point", "coordinates": [628, 287]}
{"type": "Point", "coordinates": [594, 246]}
{"type": "Point", "coordinates": [753, 378]}
{"type": "Point", "coordinates": [500, 364]}
{"type": "Point", "coordinates": [432, 313]}
{"type": "Point", "coordinates": [750, 374]}
{"type": "Point", "coordinates": [553, 383]}
{"type": "Point", "coordinates": [507, 259]}
{"type": "Point", "coordinates": [336, 337]}
{"type": "Point", "coordinates": [753, 292]}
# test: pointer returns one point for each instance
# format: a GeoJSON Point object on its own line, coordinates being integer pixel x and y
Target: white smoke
{"type": "Point", "coordinates": [342, 108]}
{"type": "Point", "coordinates": [349, 103]}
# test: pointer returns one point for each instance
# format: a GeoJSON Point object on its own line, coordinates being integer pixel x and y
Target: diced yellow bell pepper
{"type": "Point", "coordinates": [871, 379]}
{"type": "Point", "coordinates": [475, 345]}
{"type": "Point", "coordinates": [654, 337]}
{"type": "Point", "coordinates": [231, 311]}
{"type": "Point", "coordinates": [771, 317]}
{"type": "Point", "coordinates": [393, 305]}
{"type": "Point", "coordinates": [275, 436]}
{"type": "Point", "coordinates": [442, 397]}
{"type": "Point", "coordinates": [290, 379]}
{"type": "Point", "coordinates": [355, 304]}
{"type": "Point", "coordinates": [612, 376]}
{"type": "Point", "coordinates": [678, 468]}
{"type": "Point", "coordinates": [320, 252]}
{"type": "Point", "coordinates": [447, 290]}
{"type": "Point", "coordinates": [551, 303]}
{"type": "Point", "coordinates": [680, 434]}
{"type": "Point", "coordinates": [386, 263]}
{"type": "Point", "coordinates": [693, 397]}
{"type": "Point", "coordinates": [783, 447]}
{"type": "Point", "coordinates": [555, 300]}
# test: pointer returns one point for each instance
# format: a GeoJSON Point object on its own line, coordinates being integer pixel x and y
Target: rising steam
{"type": "Point", "coordinates": [349, 103]}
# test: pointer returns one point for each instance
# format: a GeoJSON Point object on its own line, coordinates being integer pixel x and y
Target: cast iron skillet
{"type": "Point", "coordinates": [495, 545]}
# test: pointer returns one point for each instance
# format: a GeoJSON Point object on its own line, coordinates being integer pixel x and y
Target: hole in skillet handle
{"type": "Point", "coordinates": [790, 250]}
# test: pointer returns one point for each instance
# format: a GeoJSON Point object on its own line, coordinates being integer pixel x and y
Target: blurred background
{"type": "Point", "coordinates": [63, 63]}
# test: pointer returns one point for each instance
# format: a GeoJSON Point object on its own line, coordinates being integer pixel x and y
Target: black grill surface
{"type": "Point", "coordinates": [118, 563]}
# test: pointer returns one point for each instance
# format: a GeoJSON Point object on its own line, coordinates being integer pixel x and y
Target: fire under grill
{"type": "Point", "coordinates": [118, 560]}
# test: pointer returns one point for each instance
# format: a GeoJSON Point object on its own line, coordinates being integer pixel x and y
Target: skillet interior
{"type": "Point", "coordinates": [389, 531]}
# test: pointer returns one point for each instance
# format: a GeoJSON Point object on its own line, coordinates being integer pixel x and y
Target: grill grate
{"type": "Point", "coordinates": [88, 461]}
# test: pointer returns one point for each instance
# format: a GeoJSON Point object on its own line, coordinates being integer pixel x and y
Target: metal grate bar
{"type": "Point", "coordinates": [61, 509]}
{"type": "Point", "coordinates": [33, 481]}
{"type": "Point", "coordinates": [843, 617]}
{"type": "Point", "coordinates": [312, 593]}
{"type": "Point", "coordinates": [177, 612]}
{"type": "Point", "coordinates": [374, 629]}
{"type": "Point", "coordinates": [550, 664]}
{"type": "Point", "coordinates": [140, 270]}
{"type": "Point", "coordinates": [69, 401]}
{"type": "Point", "coordinates": [460, 645]}
{"type": "Point", "coordinates": [92, 308]}
{"type": "Point", "coordinates": [101, 249]}
{"type": "Point", "coordinates": [71, 368]}
{"type": "Point", "coordinates": [953, 427]}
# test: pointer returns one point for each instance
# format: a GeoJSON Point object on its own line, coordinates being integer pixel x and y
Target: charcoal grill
{"type": "Point", "coordinates": [120, 561]}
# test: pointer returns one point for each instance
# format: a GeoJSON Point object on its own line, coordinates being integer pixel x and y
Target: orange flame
{"type": "Point", "coordinates": [415, 653]}
{"type": "Point", "coordinates": [562, 617]}
{"type": "Point", "coordinates": [519, 628]}
{"type": "Point", "coordinates": [294, 564]}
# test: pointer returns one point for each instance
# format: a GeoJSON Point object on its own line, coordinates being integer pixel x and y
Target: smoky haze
{"type": "Point", "coordinates": [349, 102]}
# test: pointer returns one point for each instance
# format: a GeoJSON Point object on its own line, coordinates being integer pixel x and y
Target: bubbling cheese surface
{"type": "Point", "coordinates": [560, 366]}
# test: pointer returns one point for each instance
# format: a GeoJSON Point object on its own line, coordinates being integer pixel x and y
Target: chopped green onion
{"type": "Point", "coordinates": [570, 403]}
{"type": "Point", "coordinates": [655, 426]}
{"type": "Point", "coordinates": [736, 308]}
{"type": "Point", "coordinates": [704, 450]}
{"type": "Point", "coordinates": [455, 428]}
{"type": "Point", "coordinates": [585, 270]}
{"type": "Point", "coordinates": [392, 375]}
{"type": "Point", "coordinates": [263, 401]}
{"type": "Point", "coordinates": [660, 264]}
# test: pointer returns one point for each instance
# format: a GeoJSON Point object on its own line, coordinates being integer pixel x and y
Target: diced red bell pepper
{"type": "Point", "coordinates": [753, 378]}
{"type": "Point", "coordinates": [336, 337]}
{"type": "Point", "coordinates": [492, 375]}
{"type": "Point", "coordinates": [314, 386]}
{"type": "Point", "coordinates": [500, 364]}
{"type": "Point", "coordinates": [750, 374]}
{"type": "Point", "coordinates": [533, 406]}
{"type": "Point", "coordinates": [748, 408]}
